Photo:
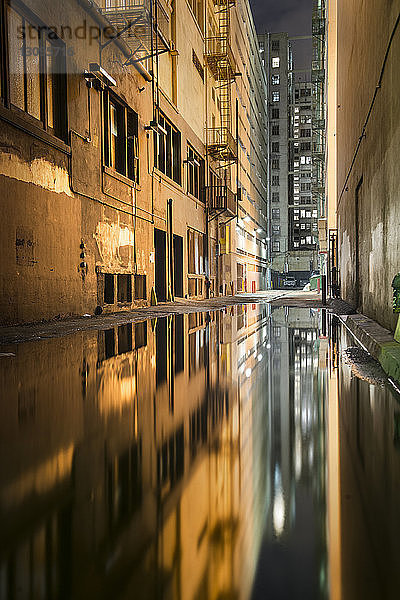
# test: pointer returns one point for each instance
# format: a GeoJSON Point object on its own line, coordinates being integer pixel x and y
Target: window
{"type": "Point", "coordinates": [37, 83]}
{"type": "Point", "coordinates": [275, 79]}
{"type": "Point", "coordinates": [275, 46]}
{"type": "Point", "coordinates": [108, 288]}
{"type": "Point", "coordinates": [305, 119]}
{"type": "Point", "coordinates": [197, 8]}
{"type": "Point", "coordinates": [196, 252]}
{"type": "Point", "coordinates": [276, 229]}
{"type": "Point", "coordinates": [275, 113]}
{"type": "Point", "coordinates": [305, 146]}
{"type": "Point", "coordinates": [305, 187]}
{"type": "Point", "coordinates": [124, 288]}
{"type": "Point", "coordinates": [121, 142]}
{"type": "Point", "coordinates": [275, 179]}
{"type": "Point", "coordinates": [275, 196]}
{"type": "Point", "coordinates": [275, 164]}
{"type": "Point", "coordinates": [305, 133]}
{"type": "Point", "coordinates": [275, 96]}
{"type": "Point", "coordinates": [140, 287]}
{"type": "Point", "coordinates": [199, 66]}
{"type": "Point", "coordinates": [195, 173]}
{"type": "Point", "coordinates": [167, 149]}
{"type": "Point", "coordinates": [276, 214]}
{"type": "Point", "coordinates": [276, 246]}
{"type": "Point", "coordinates": [276, 62]}
{"type": "Point", "coordinates": [275, 147]}
{"type": "Point", "coordinates": [275, 130]}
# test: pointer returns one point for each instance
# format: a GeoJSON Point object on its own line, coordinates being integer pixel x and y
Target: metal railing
{"type": "Point", "coordinates": [220, 197]}
{"type": "Point", "coordinates": [221, 143]}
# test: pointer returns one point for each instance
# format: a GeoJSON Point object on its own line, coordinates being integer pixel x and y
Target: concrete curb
{"type": "Point", "coordinates": [379, 342]}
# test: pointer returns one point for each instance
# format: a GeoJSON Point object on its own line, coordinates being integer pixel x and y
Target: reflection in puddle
{"type": "Point", "coordinates": [211, 455]}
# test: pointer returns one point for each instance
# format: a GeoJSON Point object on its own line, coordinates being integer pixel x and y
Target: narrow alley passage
{"type": "Point", "coordinates": [228, 454]}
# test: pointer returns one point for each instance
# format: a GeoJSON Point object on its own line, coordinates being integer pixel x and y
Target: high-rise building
{"type": "Point", "coordinates": [303, 206]}
{"type": "Point", "coordinates": [277, 60]}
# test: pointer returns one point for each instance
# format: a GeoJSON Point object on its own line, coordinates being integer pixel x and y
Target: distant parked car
{"type": "Point", "coordinates": [289, 282]}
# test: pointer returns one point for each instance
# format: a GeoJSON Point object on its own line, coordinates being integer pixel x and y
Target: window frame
{"type": "Point", "coordinates": [45, 38]}
{"type": "Point", "coordinates": [169, 162]}
{"type": "Point", "coordinates": [127, 160]}
{"type": "Point", "coordinates": [195, 174]}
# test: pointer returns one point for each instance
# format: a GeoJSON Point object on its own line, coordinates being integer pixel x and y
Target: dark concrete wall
{"type": "Point", "coordinates": [372, 231]}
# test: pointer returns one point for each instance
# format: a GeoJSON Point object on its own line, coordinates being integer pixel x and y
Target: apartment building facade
{"type": "Point", "coordinates": [277, 61]}
{"type": "Point", "coordinates": [119, 166]}
{"type": "Point", "coordinates": [303, 205]}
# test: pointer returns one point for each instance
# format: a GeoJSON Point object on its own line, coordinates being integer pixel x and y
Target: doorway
{"type": "Point", "coordinates": [160, 247]}
{"type": "Point", "coordinates": [178, 266]}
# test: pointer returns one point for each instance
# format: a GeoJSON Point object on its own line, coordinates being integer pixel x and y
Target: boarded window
{"type": "Point", "coordinates": [140, 287]}
{"type": "Point", "coordinates": [108, 288]}
{"type": "Point", "coordinates": [124, 288]}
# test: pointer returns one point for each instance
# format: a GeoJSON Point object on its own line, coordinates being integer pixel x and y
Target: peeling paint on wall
{"type": "Point", "coordinates": [39, 172]}
{"type": "Point", "coordinates": [111, 239]}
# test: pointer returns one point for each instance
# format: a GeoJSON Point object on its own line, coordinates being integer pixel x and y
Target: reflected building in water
{"type": "Point", "coordinates": [128, 459]}
{"type": "Point", "coordinates": [197, 456]}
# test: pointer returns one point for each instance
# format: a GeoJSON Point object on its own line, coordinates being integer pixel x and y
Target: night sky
{"type": "Point", "coordinates": [293, 16]}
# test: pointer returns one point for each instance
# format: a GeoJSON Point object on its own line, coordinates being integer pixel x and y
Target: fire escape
{"type": "Point", "coordinates": [220, 142]}
{"type": "Point", "coordinates": [144, 26]}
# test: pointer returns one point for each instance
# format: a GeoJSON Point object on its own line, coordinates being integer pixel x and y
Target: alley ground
{"type": "Point", "coordinates": [59, 327]}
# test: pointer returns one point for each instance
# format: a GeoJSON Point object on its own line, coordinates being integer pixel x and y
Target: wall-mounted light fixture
{"type": "Point", "coordinates": [96, 71]}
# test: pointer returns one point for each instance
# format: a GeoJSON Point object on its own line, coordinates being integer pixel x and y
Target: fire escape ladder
{"type": "Point", "coordinates": [221, 145]}
{"type": "Point", "coordinates": [220, 142]}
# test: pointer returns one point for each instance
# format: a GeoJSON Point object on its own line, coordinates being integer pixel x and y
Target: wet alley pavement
{"type": "Point", "coordinates": [235, 453]}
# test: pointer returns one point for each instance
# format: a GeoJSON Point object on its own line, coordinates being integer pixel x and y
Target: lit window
{"type": "Point", "coordinates": [275, 79]}
{"type": "Point", "coordinates": [276, 62]}
{"type": "Point", "coordinates": [276, 96]}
